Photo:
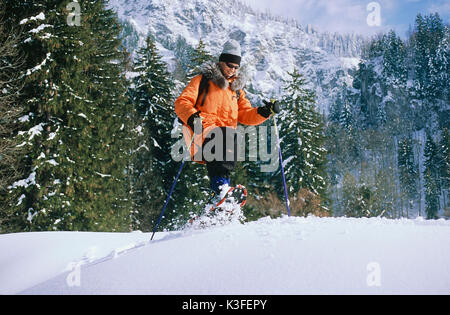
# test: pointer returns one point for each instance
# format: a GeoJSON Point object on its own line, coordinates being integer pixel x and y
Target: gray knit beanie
{"type": "Point", "coordinates": [231, 52]}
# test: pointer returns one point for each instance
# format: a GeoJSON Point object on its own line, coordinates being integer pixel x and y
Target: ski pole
{"type": "Point", "coordinates": [281, 164]}
{"type": "Point", "coordinates": [171, 190]}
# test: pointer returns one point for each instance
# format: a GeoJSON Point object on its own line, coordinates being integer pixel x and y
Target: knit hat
{"type": "Point", "coordinates": [231, 52]}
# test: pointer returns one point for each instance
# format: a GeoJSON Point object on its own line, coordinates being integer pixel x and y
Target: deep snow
{"type": "Point", "coordinates": [270, 256]}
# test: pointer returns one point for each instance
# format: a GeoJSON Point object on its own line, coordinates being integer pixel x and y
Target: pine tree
{"type": "Point", "coordinates": [41, 85]}
{"type": "Point", "coordinates": [365, 200]}
{"type": "Point", "coordinates": [444, 165]}
{"type": "Point", "coordinates": [10, 111]}
{"type": "Point", "coordinates": [153, 168]}
{"type": "Point", "coordinates": [111, 143]}
{"type": "Point", "coordinates": [346, 118]}
{"type": "Point", "coordinates": [341, 111]}
{"type": "Point", "coordinates": [420, 54]}
{"type": "Point", "coordinates": [76, 136]}
{"type": "Point", "coordinates": [198, 57]}
{"type": "Point", "coordinates": [431, 176]}
{"type": "Point", "coordinates": [352, 202]}
{"type": "Point", "coordinates": [439, 68]}
{"type": "Point", "coordinates": [407, 170]}
{"type": "Point", "coordinates": [375, 48]}
{"type": "Point", "coordinates": [368, 104]}
{"type": "Point", "coordinates": [429, 33]}
{"type": "Point", "coordinates": [182, 52]}
{"type": "Point", "coordinates": [302, 132]}
{"type": "Point", "coordinates": [394, 60]}
{"type": "Point", "coordinates": [385, 190]}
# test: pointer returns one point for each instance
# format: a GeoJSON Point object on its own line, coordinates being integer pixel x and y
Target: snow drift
{"type": "Point", "coordinates": [270, 256]}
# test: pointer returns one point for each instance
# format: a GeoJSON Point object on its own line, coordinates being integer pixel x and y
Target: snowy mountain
{"type": "Point", "coordinates": [270, 256]}
{"type": "Point", "coordinates": [271, 45]}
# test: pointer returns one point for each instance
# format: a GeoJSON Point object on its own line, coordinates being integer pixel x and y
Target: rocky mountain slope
{"type": "Point", "coordinates": [272, 46]}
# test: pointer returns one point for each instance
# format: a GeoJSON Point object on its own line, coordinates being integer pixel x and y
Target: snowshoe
{"type": "Point", "coordinates": [222, 208]}
{"type": "Point", "coordinates": [236, 195]}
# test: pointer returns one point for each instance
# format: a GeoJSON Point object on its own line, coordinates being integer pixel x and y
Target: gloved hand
{"type": "Point", "coordinates": [195, 123]}
{"type": "Point", "coordinates": [269, 108]}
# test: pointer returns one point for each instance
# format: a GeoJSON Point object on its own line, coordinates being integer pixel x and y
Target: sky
{"type": "Point", "coordinates": [367, 17]}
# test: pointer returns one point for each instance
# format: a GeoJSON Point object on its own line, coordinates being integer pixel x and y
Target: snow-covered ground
{"type": "Point", "coordinates": [270, 256]}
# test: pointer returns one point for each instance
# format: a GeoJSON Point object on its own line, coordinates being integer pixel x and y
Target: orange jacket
{"type": "Point", "coordinates": [221, 108]}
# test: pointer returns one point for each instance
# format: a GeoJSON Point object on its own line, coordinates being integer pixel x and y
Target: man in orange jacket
{"type": "Point", "coordinates": [217, 111]}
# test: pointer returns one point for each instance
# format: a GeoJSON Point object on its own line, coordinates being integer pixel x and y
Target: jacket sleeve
{"type": "Point", "coordinates": [247, 114]}
{"type": "Point", "coordinates": [185, 103]}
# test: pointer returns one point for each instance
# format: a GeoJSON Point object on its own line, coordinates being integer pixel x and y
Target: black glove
{"type": "Point", "coordinates": [195, 123]}
{"type": "Point", "coordinates": [268, 108]}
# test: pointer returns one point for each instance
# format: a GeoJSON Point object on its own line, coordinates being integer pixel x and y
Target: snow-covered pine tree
{"type": "Point", "coordinates": [346, 117]}
{"type": "Point", "coordinates": [77, 122]}
{"type": "Point", "coordinates": [431, 175]}
{"type": "Point", "coordinates": [110, 119]}
{"type": "Point", "coordinates": [10, 111]}
{"type": "Point", "coordinates": [198, 57]}
{"type": "Point", "coordinates": [407, 172]}
{"type": "Point", "coordinates": [439, 70]}
{"type": "Point", "coordinates": [340, 110]}
{"type": "Point", "coordinates": [429, 33]}
{"type": "Point", "coordinates": [302, 133]}
{"type": "Point", "coordinates": [352, 203]}
{"type": "Point", "coordinates": [444, 165]}
{"type": "Point", "coordinates": [394, 60]}
{"type": "Point", "coordinates": [39, 127]}
{"type": "Point", "coordinates": [153, 169]}
{"type": "Point", "coordinates": [182, 51]}
{"type": "Point", "coordinates": [364, 199]}
{"type": "Point", "coordinates": [368, 83]}
{"type": "Point", "coordinates": [129, 36]}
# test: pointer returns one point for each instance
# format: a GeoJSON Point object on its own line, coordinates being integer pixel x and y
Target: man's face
{"type": "Point", "coordinates": [229, 69]}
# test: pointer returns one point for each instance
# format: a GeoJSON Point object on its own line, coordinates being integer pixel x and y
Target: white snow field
{"type": "Point", "coordinates": [288, 255]}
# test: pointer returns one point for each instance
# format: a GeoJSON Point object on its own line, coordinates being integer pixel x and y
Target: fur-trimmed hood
{"type": "Point", "coordinates": [211, 70]}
